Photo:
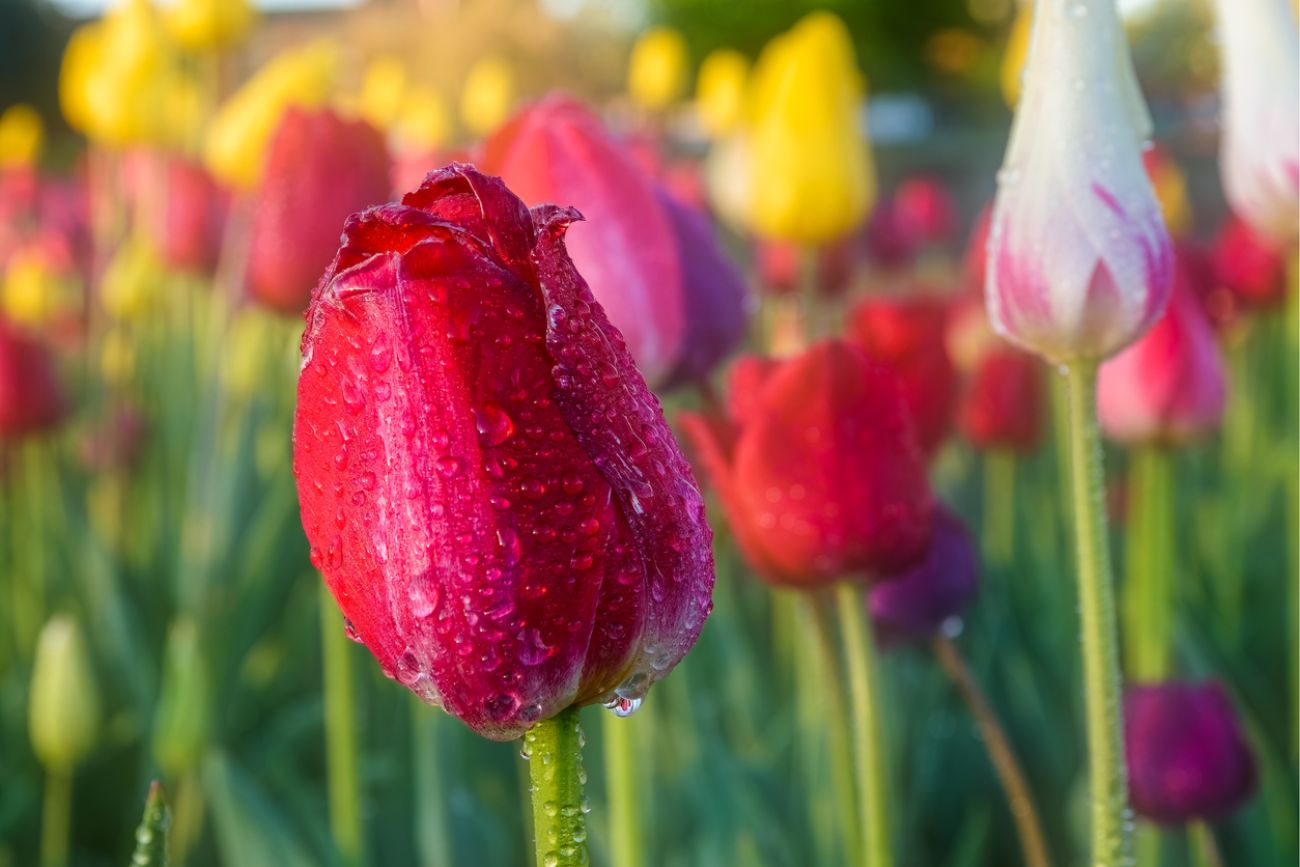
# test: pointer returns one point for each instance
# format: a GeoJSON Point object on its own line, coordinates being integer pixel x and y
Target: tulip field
{"type": "Point", "coordinates": [649, 434]}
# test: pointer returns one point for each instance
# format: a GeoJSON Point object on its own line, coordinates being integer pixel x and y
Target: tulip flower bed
{"type": "Point", "coordinates": [649, 483]}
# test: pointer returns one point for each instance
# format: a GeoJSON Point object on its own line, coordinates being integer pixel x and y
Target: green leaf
{"type": "Point", "coordinates": [151, 836]}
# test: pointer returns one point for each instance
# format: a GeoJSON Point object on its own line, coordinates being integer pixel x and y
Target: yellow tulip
{"type": "Point", "coordinates": [63, 710]}
{"type": "Point", "coordinates": [382, 91]}
{"type": "Point", "coordinates": [1013, 60]}
{"type": "Point", "coordinates": [720, 91]}
{"type": "Point", "coordinates": [134, 281]}
{"type": "Point", "coordinates": [811, 174]}
{"type": "Point", "coordinates": [22, 136]}
{"type": "Point", "coordinates": [33, 293]}
{"type": "Point", "coordinates": [201, 25]}
{"type": "Point", "coordinates": [240, 133]}
{"type": "Point", "coordinates": [422, 122]}
{"type": "Point", "coordinates": [117, 357]}
{"type": "Point", "coordinates": [488, 96]}
{"type": "Point", "coordinates": [1171, 191]}
{"type": "Point", "coordinates": [656, 70]}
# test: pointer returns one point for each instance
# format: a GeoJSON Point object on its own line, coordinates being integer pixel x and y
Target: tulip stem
{"type": "Point", "coordinates": [623, 786]}
{"type": "Point", "coordinates": [837, 717]}
{"type": "Point", "coordinates": [1112, 834]}
{"type": "Point", "coordinates": [1020, 797]}
{"type": "Point", "coordinates": [340, 735]}
{"type": "Point", "coordinates": [56, 817]}
{"type": "Point", "coordinates": [860, 661]}
{"type": "Point", "coordinates": [554, 747]}
{"type": "Point", "coordinates": [1204, 844]}
{"type": "Point", "coordinates": [432, 835]}
{"type": "Point", "coordinates": [1148, 604]}
{"type": "Point", "coordinates": [1000, 506]}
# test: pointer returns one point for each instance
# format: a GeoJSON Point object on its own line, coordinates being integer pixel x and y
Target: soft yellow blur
{"type": "Point", "coordinates": [63, 707]}
{"type": "Point", "coordinates": [422, 122]}
{"type": "Point", "coordinates": [184, 712]}
{"type": "Point", "coordinates": [235, 149]}
{"type": "Point", "coordinates": [134, 281]}
{"type": "Point", "coordinates": [22, 136]}
{"type": "Point", "coordinates": [382, 91]}
{"type": "Point", "coordinates": [121, 82]}
{"type": "Point", "coordinates": [720, 91]}
{"type": "Point", "coordinates": [488, 97]}
{"type": "Point", "coordinates": [1171, 191]}
{"type": "Point", "coordinates": [117, 357]}
{"type": "Point", "coordinates": [811, 173]}
{"type": "Point", "coordinates": [248, 351]}
{"type": "Point", "coordinates": [35, 294]}
{"type": "Point", "coordinates": [656, 70]}
{"type": "Point", "coordinates": [1013, 60]}
{"type": "Point", "coordinates": [201, 25]}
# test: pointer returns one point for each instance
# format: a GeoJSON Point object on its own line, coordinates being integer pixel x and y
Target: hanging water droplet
{"type": "Point", "coordinates": [494, 424]}
{"type": "Point", "coordinates": [623, 707]}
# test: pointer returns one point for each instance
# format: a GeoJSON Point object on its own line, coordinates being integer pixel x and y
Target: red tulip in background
{"type": "Point", "coordinates": [1251, 265]}
{"type": "Point", "coordinates": [1187, 756]}
{"type": "Point", "coordinates": [489, 488]}
{"type": "Point", "coordinates": [818, 468]}
{"type": "Point", "coordinates": [31, 398]}
{"type": "Point", "coordinates": [180, 206]}
{"type": "Point", "coordinates": [1170, 385]}
{"type": "Point", "coordinates": [906, 334]}
{"type": "Point", "coordinates": [780, 266]}
{"type": "Point", "coordinates": [1002, 406]}
{"type": "Point", "coordinates": [320, 169]}
{"type": "Point", "coordinates": [654, 266]}
{"type": "Point", "coordinates": [915, 604]}
{"type": "Point", "coordinates": [921, 213]}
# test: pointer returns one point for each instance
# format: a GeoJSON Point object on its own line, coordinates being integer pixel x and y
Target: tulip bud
{"type": "Point", "coordinates": [1170, 386]}
{"type": "Point", "coordinates": [421, 123]}
{"type": "Point", "coordinates": [180, 208]}
{"type": "Point", "coordinates": [810, 167]}
{"type": "Point", "coordinates": [382, 91]}
{"type": "Point", "coordinates": [22, 136]}
{"type": "Point", "coordinates": [1002, 407]}
{"type": "Point", "coordinates": [1187, 757]}
{"type": "Point", "coordinates": [63, 707]}
{"type": "Point", "coordinates": [1079, 260]}
{"type": "Point", "coordinates": [907, 336]}
{"type": "Point", "coordinates": [201, 25]}
{"type": "Point", "coordinates": [1260, 152]}
{"type": "Point", "coordinates": [134, 280]}
{"type": "Point", "coordinates": [720, 91]}
{"type": "Point", "coordinates": [1250, 265]}
{"type": "Point", "coordinates": [489, 489]}
{"type": "Point", "coordinates": [39, 285]}
{"type": "Point", "coordinates": [656, 70]}
{"type": "Point", "coordinates": [184, 712]}
{"type": "Point", "coordinates": [320, 169]}
{"type": "Point", "coordinates": [915, 604]}
{"type": "Point", "coordinates": [925, 210]}
{"type": "Point", "coordinates": [488, 96]}
{"type": "Point", "coordinates": [31, 398]}
{"type": "Point", "coordinates": [820, 474]}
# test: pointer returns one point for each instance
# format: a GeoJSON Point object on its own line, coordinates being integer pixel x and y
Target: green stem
{"type": "Point", "coordinates": [554, 747]}
{"type": "Point", "coordinates": [623, 782]}
{"type": "Point", "coordinates": [835, 719]}
{"type": "Point", "coordinates": [1204, 846]}
{"type": "Point", "coordinates": [1000, 506]}
{"type": "Point", "coordinates": [432, 835]}
{"type": "Point", "coordinates": [873, 791]}
{"type": "Point", "coordinates": [1111, 827]}
{"type": "Point", "coordinates": [340, 734]}
{"type": "Point", "coordinates": [1148, 596]}
{"type": "Point", "coordinates": [56, 817]}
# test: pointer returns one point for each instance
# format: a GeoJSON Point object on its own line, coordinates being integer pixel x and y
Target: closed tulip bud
{"type": "Point", "coordinates": [22, 136]}
{"type": "Point", "coordinates": [320, 169]}
{"type": "Point", "coordinates": [202, 25]}
{"type": "Point", "coordinates": [906, 334]}
{"type": "Point", "coordinates": [720, 91]}
{"type": "Point", "coordinates": [382, 91]}
{"type": "Point", "coordinates": [1188, 759]}
{"type": "Point", "coordinates": [489, 488]}
{"type": "Point", "coordinates": [1002, 407]}
{"type": "Point", "coordinates": [39, 285]}
{"type": "Point", "coordinates": [184, 712]}
{"type": "Point", "coordinates": [1260, 151]}
{"type": "Point", "coordinates": [241, 132]}
{"type": "Point", "coordinates": [657, 68]}
{"type": "Point", "coordinates": [488, 96]}
{"type": "Point", "coordinates": [1250, 265]}
{"type": "Point", "coordinates": [819, 471]}
{"type": "Point", "coordinates": [179, 207]}
{"type": "Point", "coordinates": [810, 167]}
{"type": "Point", "coordinates": [916, 603]}
{"type": "Point", "coordinates": [1170, 386]}
{"type": "Point", "coordinates": [422, 122]}
{"type": "Point", "coordinates": [31, 397]}
{"type": "Point", "coordinates": [63, 713]}
{"type": "Point", "coordinates": [134, 280]}
{"type": "Point", "coordinates": [654, 266]}
{"type": "Point", "coordinates": [925, 211]}
{"type": "Point", "coordinates": [1079, 260]}
{"type": "Point", "coordinates": [781, 267]}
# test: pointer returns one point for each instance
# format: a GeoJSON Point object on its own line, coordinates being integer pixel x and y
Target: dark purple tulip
{"type": "Point", "coordinates": [1187, 756]}
{"type": "Point", "coordinates": [914, 604]}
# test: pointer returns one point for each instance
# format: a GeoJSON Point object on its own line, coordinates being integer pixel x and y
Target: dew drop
{"type": "Point", "coordinates": [494, 424]}
{"type": "Point", "coordinates": [450, 466]}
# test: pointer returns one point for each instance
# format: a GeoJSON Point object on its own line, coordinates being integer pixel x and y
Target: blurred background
{"type": "Point", "coordinates": [160, 618]}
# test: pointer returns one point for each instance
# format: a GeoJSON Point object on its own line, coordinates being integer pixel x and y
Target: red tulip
{"type": "Point", "coordinates": [819, 471]}
{"type": "Point", "coordinates": [1252, 265]}
{"type": "Point", "coordinates": [1187, 756]}
{"type": "Point", "coordinates": [1002, 406]}
{"type": "Point", "coordinates": [31, 398]}
{"type": "Point", "coordinates": [488, 486]}
{"type": "Point", "coordinates": [180, 206]}
{"type": "Point", "coordinates": [915, 604]}
{"type": "Point", "coordinates": [641, 257]}
{"type": "Point", "coordinates": [780, 266]}
{"type": "Point", "coordinates": [920, 214]}
{"type": "Point", "coordinates": [1170, 385]}
{"type": "Point", "coordinates": [319, 170]}
{"type": "Point", "coordinates": [907, 335]}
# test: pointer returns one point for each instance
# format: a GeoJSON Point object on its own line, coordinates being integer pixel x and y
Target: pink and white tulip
{"type": "Point", "coordinates": [1079, 260]}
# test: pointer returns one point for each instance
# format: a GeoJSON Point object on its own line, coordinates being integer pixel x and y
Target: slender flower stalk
{"type": "Point", "coordinates": [554, 750]}
{"type": "Point", "coordinates": [1150, 566]}
{"type": "Point", "coordinates": [340, 736]}
{"type": "Point", "coordinates": [1205, 847]}
{"type": "Point", "coordinates": [1000, 506]}
{"type": "Point", "coordinates": [837, 722]}
{"type": "Point", "coordinates": [623, 783]}
{"type": "Point", "coordinates": [868, 741]}
{"type": "Point", "coordinates": [432, 833]}
{"type": "Point", "coordinates": [1020, 797]}
{"type": "Point", "coordinates": [56, 818]}
{"type": "Point", "coordinates": [1111, 823]}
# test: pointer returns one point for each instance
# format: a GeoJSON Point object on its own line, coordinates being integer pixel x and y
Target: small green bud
{"type": "Point", "coordinates": [181, 723]}
{"type": "Point", "coordinates": [63, 710]}
{"type": "Point", "coordinates": [151, 836]}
